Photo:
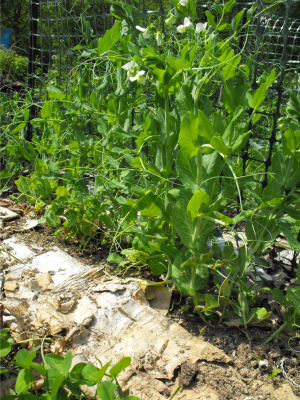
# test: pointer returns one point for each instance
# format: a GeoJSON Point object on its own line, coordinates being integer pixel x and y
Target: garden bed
{"type": "Point", "coordinates": [255, 370]}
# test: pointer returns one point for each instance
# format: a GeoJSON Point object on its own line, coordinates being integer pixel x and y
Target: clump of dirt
{"type": "Point", "coordinates": [250, 375]}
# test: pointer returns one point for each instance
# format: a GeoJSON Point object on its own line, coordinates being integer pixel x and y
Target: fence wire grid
{"type": "Point", "coordinates": [273, 41]}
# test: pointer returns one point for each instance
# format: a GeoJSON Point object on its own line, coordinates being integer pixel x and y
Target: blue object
{"type": "Point", "coordinates": [5, 37]}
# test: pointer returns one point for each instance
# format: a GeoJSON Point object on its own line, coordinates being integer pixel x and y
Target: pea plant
{"type": "Point", "coordinates": [153, 155]}
{"type": "Point", "coordinates": [61, 379]}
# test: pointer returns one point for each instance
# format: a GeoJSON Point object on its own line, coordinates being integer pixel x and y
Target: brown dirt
{"type": "Point", "coordinates": [246, 378]}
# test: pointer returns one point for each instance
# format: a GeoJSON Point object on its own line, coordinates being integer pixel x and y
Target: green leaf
{"type": "Point", "coordinates": [278, 296]}
{"type": "Point", "coordinates": [110, 38]}
{"type": "Point", "coordinates": [106, 390]}
{"type": "Point", "coordinates": [57, 384]}
{"type": "Point", "coordinates": [258, 314]}
{"type": "Point", "coordinates": [184, 100]}
{"type": "Point", "coordinates": [55, 361]}
{"type": "Point", "coordinates": [224, 218]}
{"type": "Point", "coordinates": [191, 276]}
{"type": "Point", "coordinates": [120, 366]}
{"type": "Point", "coordinates": [261, 231]}
{"type": "Point", "coordinates": [210, 19]}
{"type": "Point", "coordinates": [177, 64]}
{"type": "Point", "coordinates": [229, 70]}
{"type": "Point", "coordinates": [133, 49]}
{"type": "Point", "coordinates": [186, 169]}
{"type": "Point", "coordinates": [223, 27]}
{"type": "Point", "coordinates": [38, 368]}
{"type": "Point", "coordinates": [157, 267]}
{"type": "Point", "coordinates": [23, 184]}
{"type": "Point", "coordinates": [26, 396]}
{"type": "Point", "coordinates": [76, 370]}
{"type": "Point", "coordinates": [151, 211]}
{"type": "Point", "coordinates": [192, 132]}
{"type": "Point", "coordinates": [261, 92]}
{"type": "Point", "coordinates": [4, 332]}
{"type": "Point", "coordinates": [289, 142]}
{"type": "Point", "coordinates": [198, 204]}
{"type": "Point", "coordinates": [100, 374]}
{"type": "Point", "coordinates": [55, 93]}
{"type": "Point", "coordinates": [218, 144]}
{"type": "Point", "coordinates": [5, 347]}
{"type": "Point", "coordinates": [62, 191]}
{"type": "Point", "coordinates": [181, 222]}
{"type": "Point", "coordinates": [51, 218]}
{"type": "Point", "coordinates": [24, 358]}
{"type": "Point", "coordinates": [242, 299]}
{"type": "Point", "coordinates": [204, 126]}
{"type": "Point", "coordinates": [66, 364]}
{"type": "Point", "coordinates": [272, 191]}
{"type": "Point", "coordinates": [115, 258]}
{"type": "Point", "coordinates": [24, 381]}
{"type": "Point", "coordinates": [251, 11]}
{"type": "Point", "coordinates": [46, 111]}
{"type": "Point", "coordinates": [236, 21]}
{"type": "Point", "coordinates": [290, 238]}
{"type": "Point", "coordinates": [293, 297]}
{"type": "Point", "coordinates": [19, 127]}
{"type": "Point", "coordinates": [228, 6]}
{"type": "Point", "coordinates": [89, 372]}
{"type": "Point", "coordinates": [286, 170]}
{"type": "Point", "coordinates": [74, 388]}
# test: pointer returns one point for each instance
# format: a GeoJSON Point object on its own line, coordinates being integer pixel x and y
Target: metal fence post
{"type": "Point", "coordinates": [33, 27]}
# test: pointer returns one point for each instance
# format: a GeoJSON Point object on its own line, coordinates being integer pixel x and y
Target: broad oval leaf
{"type": "Point", "coordinates": [5, 347]}
{"type": "Point", "coordinates": [198, 204]}
{"type": "Point", "coordinates": [181, 222]}
{"type": "Point", "coordinates": [24, 381]}
{"type": "Point", "coordinates": [106, 390]}
{"type": "Point", "coordinates": [55, 93]}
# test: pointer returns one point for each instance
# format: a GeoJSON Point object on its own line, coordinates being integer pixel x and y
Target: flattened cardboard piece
{"type": "Point", "coordinates": [59, 264]}
{"type": "Point", "coordinates": [159, 298]}
{"type": "Point", "coordinates": [27, 225]}
{"type": "Point", "coordinates": [109, 320]}
{"type": "Point", "coordinates": [17, 249]}
{"type": "Point", "coordinates": [8, 215]}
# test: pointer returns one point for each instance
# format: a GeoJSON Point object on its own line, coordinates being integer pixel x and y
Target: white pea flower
{"type": "Point", "coordinates": [131, 68]}
{"type": "Point", "coordinates": [133, 72]}
{"type": "Point", "coordinates": [146, 32]}
{"type": "Point", "coordinates": [201, 27]}
{"type": "Point", "coordinates": [184, 2]}
{"type": "Point", "coordinates": [171, 20]}
{"type": "Point", "coordinates": [140, 77]}
{"type": "Point", "coordinates": [158, 38]}
{"type": "Point", "coordinates": [187, 25]}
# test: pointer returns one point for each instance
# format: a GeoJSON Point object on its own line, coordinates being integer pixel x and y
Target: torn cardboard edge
{"type": "Point", "coordinates": [95, 315]}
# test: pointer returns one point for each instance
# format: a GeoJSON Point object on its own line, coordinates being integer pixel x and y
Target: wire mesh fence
{"type": "Point", "coordinates": [272, 41]}
{"type": "Point", "coordinates": [57, 26]}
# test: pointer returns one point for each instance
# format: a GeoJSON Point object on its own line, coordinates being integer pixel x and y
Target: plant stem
{"type": "Point", "coordinates": [167, 129]}
{"type": "Point", "coordinates": [199, 166]}
{"type": "Point", "coordinates": [280, 329]}
{"type": "Point", "coordinates": [197, 229]}
{"type": "Point", "coordinates": [200, 313]}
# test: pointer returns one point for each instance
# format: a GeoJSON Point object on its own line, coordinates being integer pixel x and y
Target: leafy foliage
{"type": "Point", "coordinates": [155, 155]}
{"type": "Point", "coordinates": [60, 380]}
{"type": "Point", "coordinates": [12, 65]}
